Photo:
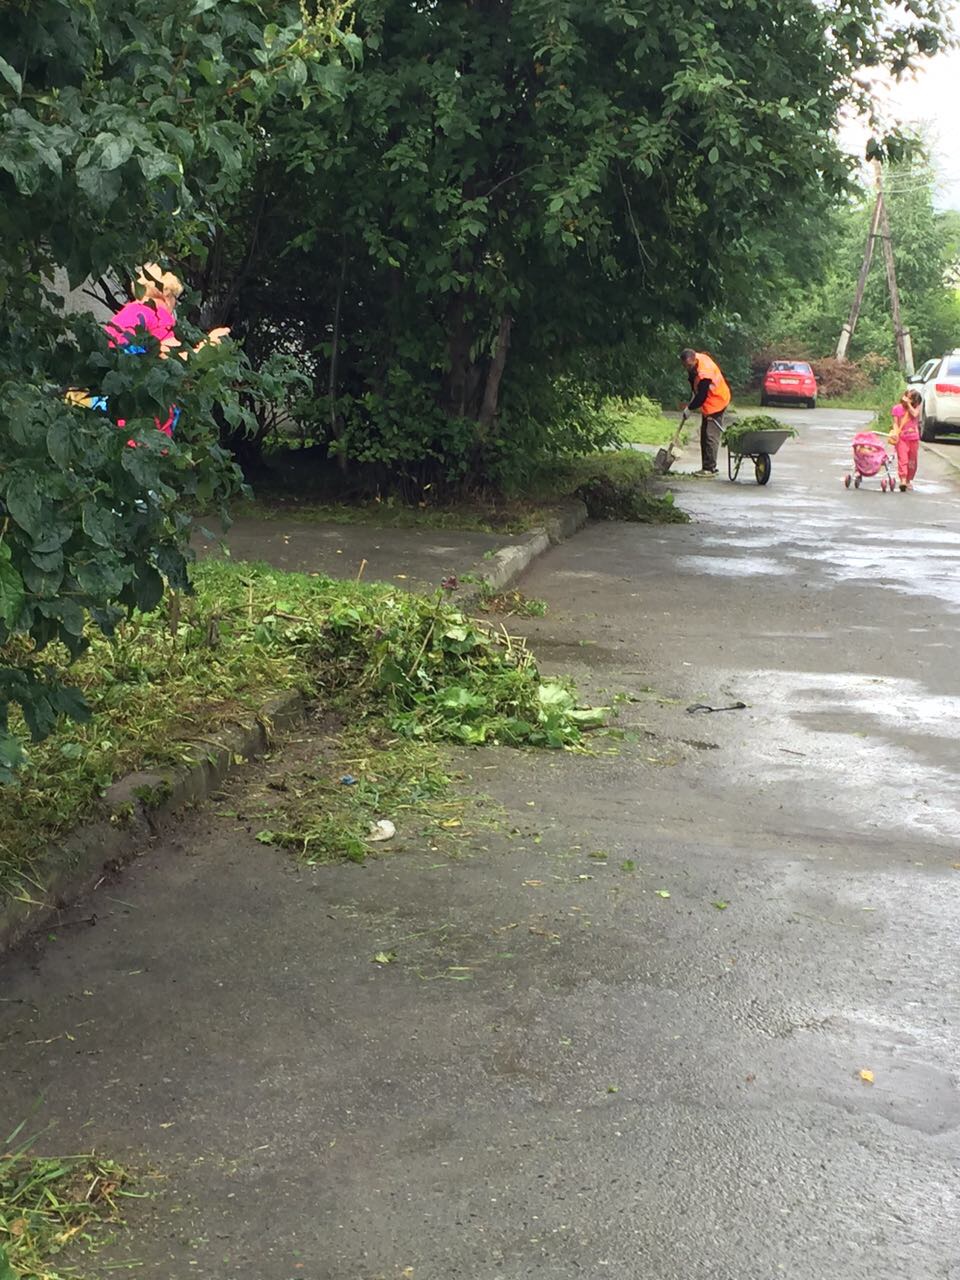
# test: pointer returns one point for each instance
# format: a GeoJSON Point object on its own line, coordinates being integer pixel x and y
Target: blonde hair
{"type": "Point", "coordinates": [152, 280]}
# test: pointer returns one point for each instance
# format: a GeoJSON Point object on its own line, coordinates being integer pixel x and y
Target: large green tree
{"type": "Point", "coordinates": [126, 129]}
{"type": "Point", "coordinates": [518, 199]}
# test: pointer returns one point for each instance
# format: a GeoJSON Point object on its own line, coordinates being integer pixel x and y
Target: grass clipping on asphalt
{"type": "Point", "coordinates": [414, 666]}
{"type": "Point", "coordinates": [48, 1205]}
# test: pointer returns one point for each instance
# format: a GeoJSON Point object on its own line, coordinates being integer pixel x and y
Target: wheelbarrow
{"type": "Point", "coordinates": [759, 447]}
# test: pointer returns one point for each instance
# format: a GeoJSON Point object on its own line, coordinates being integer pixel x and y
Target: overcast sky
{"type": "Point", "coordinates": [929, 100]}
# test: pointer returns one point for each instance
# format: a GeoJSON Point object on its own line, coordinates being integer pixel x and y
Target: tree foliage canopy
{"type": "Point", "coordinates": [518, 198]}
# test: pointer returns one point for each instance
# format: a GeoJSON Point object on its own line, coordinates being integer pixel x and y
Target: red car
{"type": "Point", "coordinates": [789, 380]}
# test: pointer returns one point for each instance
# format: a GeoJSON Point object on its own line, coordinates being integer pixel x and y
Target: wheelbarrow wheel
{"type": "Point", "coordinates": [762, 467]}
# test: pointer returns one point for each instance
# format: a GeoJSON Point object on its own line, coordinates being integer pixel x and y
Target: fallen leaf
{"type": "Point", "coordinates": [866, 1076]}
{"type": "Point", "coordinates": [628, 865]}
{"type": "Point", "coordinates": [956, 866]}
{"type": "Point", "coordinates": [533, 884]}
{"type": "Point", "coordinates": [663, 893]}
{"type": "Point", "coordinates": [613, 1088]}
{"type": "Point", "coordinates": [384, 957]}
{"type": "Point", "coordinates": [721, 905]}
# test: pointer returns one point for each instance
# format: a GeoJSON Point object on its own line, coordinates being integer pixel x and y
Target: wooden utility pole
{"type": "Point", "coordinates": [904, 345]}
{"type": "Point", "coordinates": [879, 229]}
{"type": "Point", "coordinates": [846, 333]}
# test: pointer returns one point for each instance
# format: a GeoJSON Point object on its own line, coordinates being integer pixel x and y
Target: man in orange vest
{"type": "Point", "coordinates": [711, 395]}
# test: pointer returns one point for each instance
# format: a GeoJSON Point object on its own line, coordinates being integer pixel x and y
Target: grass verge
{"type": "Point", "coordinates": [507, 516]}
{"type": "Point", "coordinates": [49, 1205]}
{"type": "Point", "coordinates": [641, 421]}
{"type": "Point", "coordinates": [161, 687]}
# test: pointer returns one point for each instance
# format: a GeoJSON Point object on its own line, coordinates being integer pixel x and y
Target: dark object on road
{"type": "Point", "coordinates": [789, 380]}
{"type": "Point", "coordinates": [702, 706]}
{"type": "Point", "coordinates": [759, 443]}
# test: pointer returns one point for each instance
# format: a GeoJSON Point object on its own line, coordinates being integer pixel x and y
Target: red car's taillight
{"type": "Point", "coordinates": [947, 389]}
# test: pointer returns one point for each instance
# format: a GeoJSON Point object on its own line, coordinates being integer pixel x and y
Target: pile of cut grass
{"type": "Point", "coordinates": [322, 808]}
{"type": "Point", "coordinates": [51, 1204]}
{"type": "Point", "coordinates": [163, 685]}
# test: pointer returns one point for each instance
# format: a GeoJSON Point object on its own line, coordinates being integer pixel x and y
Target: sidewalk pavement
{"type": "Point", "coordinates": [417, 558]}
{"type": "Point", "coordinates": [947, 450]}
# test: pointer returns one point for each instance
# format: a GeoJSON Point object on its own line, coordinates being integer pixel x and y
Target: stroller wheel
{"type": "Point", "coordinates": [883, 485]}
{"type": "Point", "coordinates": [846, 480]}
{"type": "Point", "coordinates": [857, 481]}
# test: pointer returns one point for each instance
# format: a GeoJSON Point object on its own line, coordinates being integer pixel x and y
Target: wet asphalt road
{"type": "Point", "coordinates": [566, 1073]}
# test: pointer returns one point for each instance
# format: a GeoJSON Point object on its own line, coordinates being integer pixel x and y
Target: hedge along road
{"type": "Point", "coordinates": [629, 1040]}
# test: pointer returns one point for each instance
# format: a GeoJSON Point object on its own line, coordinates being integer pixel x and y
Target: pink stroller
{"type": "Point", "coordinates": [869, 457]}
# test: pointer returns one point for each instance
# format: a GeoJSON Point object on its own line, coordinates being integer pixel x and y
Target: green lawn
{"type": "Point", "coordinates": [642, 421]}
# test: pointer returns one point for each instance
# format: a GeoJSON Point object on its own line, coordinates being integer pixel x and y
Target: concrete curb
{"type": "Point", "coordinates": [509, 563]}
{"type": "Point", "coordinates": [134, 809]}
{"type": "Point", "coordinates": [951, 457]}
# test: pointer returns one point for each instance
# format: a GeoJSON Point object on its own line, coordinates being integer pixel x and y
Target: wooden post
{"type": "Point", "coordinates": [846, 333]}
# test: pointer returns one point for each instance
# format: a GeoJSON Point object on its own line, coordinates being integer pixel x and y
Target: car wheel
{"type": "Point", "coordinates": [928, 427]}
{"type": "Point", "coordinates": [812, 402]}
{"type": "Point", "coordinates": [764, 400]}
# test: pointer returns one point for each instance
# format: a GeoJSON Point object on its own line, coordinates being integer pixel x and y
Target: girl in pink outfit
{"type": "Point", "coordinates": [905, 436]}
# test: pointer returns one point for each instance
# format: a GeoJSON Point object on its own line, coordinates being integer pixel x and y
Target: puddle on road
{"type": "Point", "coordinates": [870, 751]}
{"type": "Point", "coordinates": [734, 566]}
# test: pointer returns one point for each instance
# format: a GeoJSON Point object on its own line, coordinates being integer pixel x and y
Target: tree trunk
{"type": "Point", "coordinates": [491, 393]}
{"type": "Point", "coordinates": [335, 352]}
{"type": "Point", "coordinates": [456, 390]}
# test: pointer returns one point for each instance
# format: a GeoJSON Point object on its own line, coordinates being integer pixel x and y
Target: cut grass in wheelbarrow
{"type": "Point", "coordinates": [757, 437]}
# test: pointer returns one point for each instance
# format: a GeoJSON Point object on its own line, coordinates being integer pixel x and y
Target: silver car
{"type": "Point", "coordinates": [938, 382]}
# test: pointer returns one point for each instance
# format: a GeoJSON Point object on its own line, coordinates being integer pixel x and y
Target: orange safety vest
{"type": "Point", "coordinates": [718, 397]}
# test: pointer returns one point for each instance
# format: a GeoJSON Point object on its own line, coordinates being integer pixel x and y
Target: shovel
{"type": "Point", "coordinates": [667, 457]}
